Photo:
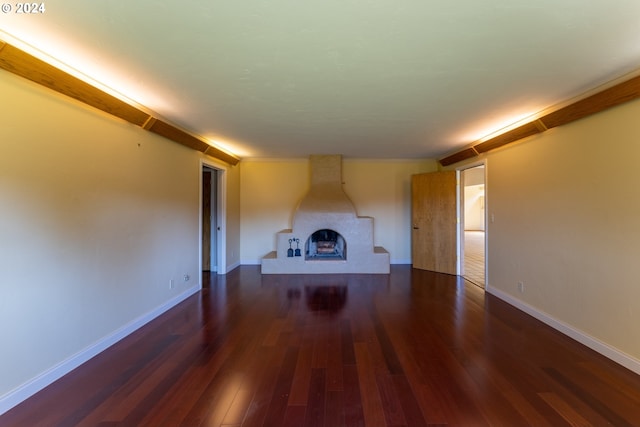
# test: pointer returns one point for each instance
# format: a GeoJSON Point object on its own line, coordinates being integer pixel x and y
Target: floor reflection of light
{"type": "Point", "coordinates": [459, 318]}
{"type": "Point", "coordinates": [231, 403]}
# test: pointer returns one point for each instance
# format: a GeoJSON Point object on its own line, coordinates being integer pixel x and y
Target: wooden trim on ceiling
{"type": "Point", "coordinates": [615, 95]}
{"type": "Point", "coordinates": [173, 133]}
{"type": "Point", "coordinates": [219, 154]}
{"type": "Point", "coordinates": [18, 62]}
{"type": "Point", "coordinates": [540, 125]}
{"type": "Point", "coordinates": [618, 94]}
{"type": "Point", "coordinates": [24, 65]}
{"type": "Point", "coordinates": [459, 156]}
{"type": "Point", "coordinates": [150, 121]}
{"type": "Point", "coordinates": [516, 134]}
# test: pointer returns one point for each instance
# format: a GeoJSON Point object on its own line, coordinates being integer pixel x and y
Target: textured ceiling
{"type": "Point", "coordinates": [367, 79]}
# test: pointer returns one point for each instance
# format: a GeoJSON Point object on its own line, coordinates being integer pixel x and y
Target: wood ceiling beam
{"type": "Point", "coordinates": [18, 62]}
{"type": "Point", "coordinates": [615, 95]}
{"type": "Point", "coordinates": [27, 66]}
{"type": "Point", "coordinates": [513, 135]}
{"type": "Point", "coordinates": [465, 154]}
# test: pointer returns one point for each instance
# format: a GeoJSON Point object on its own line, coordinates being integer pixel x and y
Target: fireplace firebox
{"type": "Point", "coordinates": [326, 244]}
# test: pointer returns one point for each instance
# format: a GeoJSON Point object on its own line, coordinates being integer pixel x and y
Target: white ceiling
{"type": "Point", "coordinates": [366, 79]}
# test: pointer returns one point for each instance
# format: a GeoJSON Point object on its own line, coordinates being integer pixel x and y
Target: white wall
{"type": "Point", "coordinates": [96, 217]}
{"type": "Point", "coordinates": [271, 190]}
{"type": "Point", "coordinates": [567, 224]}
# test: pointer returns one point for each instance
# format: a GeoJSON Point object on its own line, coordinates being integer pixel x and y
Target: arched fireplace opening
{"type": "Point", "coordinates": [326, 245]}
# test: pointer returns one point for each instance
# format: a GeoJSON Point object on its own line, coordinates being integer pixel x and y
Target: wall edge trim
{"type": "Point", "coordinates": [608, 351]}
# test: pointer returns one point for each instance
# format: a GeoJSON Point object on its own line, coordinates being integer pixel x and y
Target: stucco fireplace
{"type": "Point", "coordinates": [327, 234]}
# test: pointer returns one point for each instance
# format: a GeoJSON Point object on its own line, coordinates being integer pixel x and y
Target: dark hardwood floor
{"type": "Point", "coordinates": [412, 348]}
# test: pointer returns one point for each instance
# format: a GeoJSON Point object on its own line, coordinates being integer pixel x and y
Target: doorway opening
{"type": "Point", "coordinates": [212, 219]}
{"type": "Point", "coordinates": [473, 230]}
{"type": "Point", "coordinates": [209, 219]}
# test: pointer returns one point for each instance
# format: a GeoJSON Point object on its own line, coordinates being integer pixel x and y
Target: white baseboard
{"type": "Point", "coordinates": [31, 387]}
{"type": "Point", "coordinates": [603, 348]}
{"type": "Point", "coordinates": [233, 266]}
{"type": "Point", "coordinates": [258, 262]}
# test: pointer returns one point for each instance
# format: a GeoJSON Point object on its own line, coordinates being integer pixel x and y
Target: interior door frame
{"type": "Point", "coordinates": [460, 213]}
{"type": "Point", "coordinates": [221, 214]}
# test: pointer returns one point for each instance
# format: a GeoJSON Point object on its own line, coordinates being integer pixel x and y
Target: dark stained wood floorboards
{"type": "Point", "coordinates": [412, 348]}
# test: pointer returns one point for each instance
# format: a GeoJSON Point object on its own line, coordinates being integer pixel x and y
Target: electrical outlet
{"type": "Point", "coordinates": [186, 277]}
{"type": "Point", "coordinates": [171, 284]}
{"type": "Point", "coordinates": [521, 287]}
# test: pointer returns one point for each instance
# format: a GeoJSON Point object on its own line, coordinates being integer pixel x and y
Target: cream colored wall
{"type": "Point", "coordinates": [96, 217]}
{"type": "Point", "coordinates": [474, 207]}
{"type": "Point", "coordinates": [567, 225]}
{"type": "Point", "coordinates": [233, 217]}
{"type": "Point", "coordinates": [271, 190]}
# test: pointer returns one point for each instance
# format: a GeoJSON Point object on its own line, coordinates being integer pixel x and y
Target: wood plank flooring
{"type": "Point", "coordinates": [412, 348]}
{"type": "Point", "coordinates": [474, 264]}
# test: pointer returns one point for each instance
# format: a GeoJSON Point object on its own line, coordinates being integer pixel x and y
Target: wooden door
{"type": "Point", "coordinates": [434, 222]}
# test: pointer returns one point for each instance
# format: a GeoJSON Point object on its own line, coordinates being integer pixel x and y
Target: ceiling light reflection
{"type": "Point", "coordinates": [488, 130]}
{"type": "Point", "coordinates": [137, 96]}
{"type": "Point", "coordinates": [77, 63]}
{"type": "Point", "coordinates": [235, 149]}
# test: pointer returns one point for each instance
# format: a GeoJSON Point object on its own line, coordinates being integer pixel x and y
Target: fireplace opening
{"type": "Point", "coordinates": [326, 245]}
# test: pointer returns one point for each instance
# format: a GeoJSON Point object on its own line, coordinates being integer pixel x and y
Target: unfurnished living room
{"type": "Point", "coordinates": [322, 213]}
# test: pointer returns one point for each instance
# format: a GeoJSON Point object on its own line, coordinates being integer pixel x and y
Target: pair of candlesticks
{"type": "Point", "coordinates": [290, 251]}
